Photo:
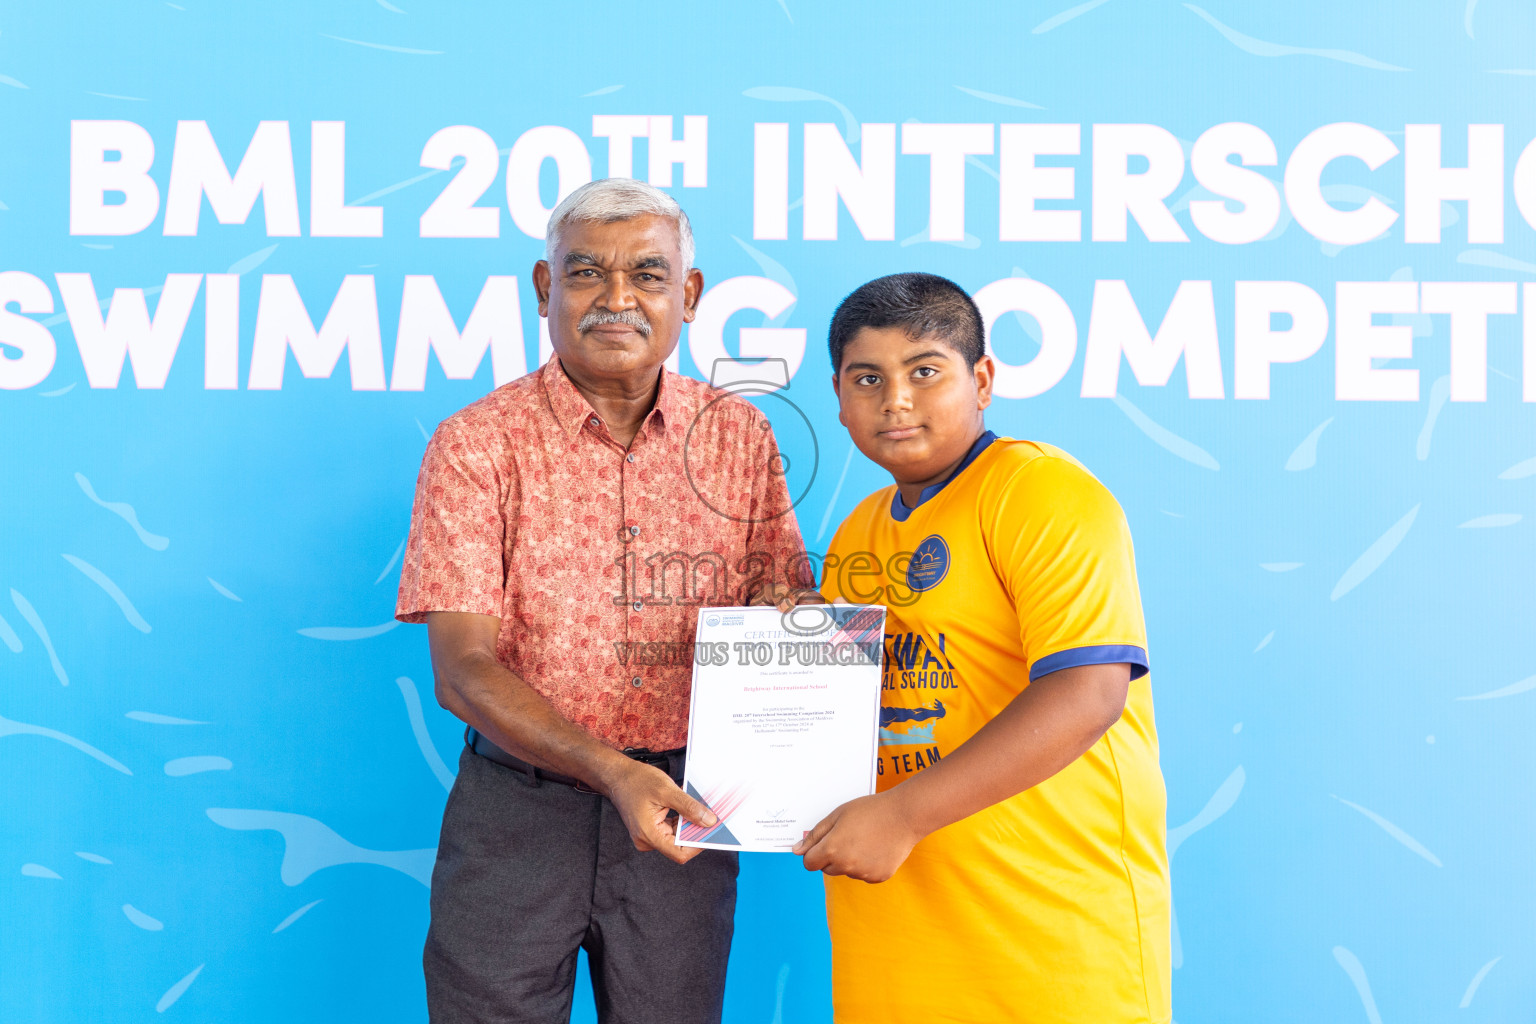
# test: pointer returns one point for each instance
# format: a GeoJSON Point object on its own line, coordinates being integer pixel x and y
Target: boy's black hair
{"type": "Point", "coordinates": [924, 305]}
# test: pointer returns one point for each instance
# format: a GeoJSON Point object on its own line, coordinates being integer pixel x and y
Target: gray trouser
{"type": "Point", "coordinates": [528, 873]}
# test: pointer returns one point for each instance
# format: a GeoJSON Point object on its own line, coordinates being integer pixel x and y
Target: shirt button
{"type": "Point", "coordinates": [636, 606]}
{"type": "Point", "coordinates": [630, 457]}
{"type": "Point", "coordinates": [635, 681]}
{"type": "Point", "coordinates": [595, 421]}
{"type": "Point", "coordinates": [634, 531]}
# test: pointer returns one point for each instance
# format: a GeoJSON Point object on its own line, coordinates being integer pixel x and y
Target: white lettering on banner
{"type": "Point", "coordinates": [92, 176]}
{"type": "Point", "coordinates": [198, 169]}
{"type": "Point", "coordinates": [495, 323]}
{"type": "Point", "coordinates": [1135, 170]}
{"type": "Point", "coordinates": [1357, 341]}
{"type": "Point", "coordinates": [867, 187]}
{"type": "Point", "coordinates": [1259, 196]}
{"type": "Point", "coordinates": [1304, 190]}
{"type": "Point", "coordinates": [1469, 303]}
{"type": "Point", "coordinates": [329, 214]}
{"type": "Point", "coordinates": [1524, 184]}
{"type": "Point", "coordinates": [32, 339]}
{"type": "Point", "coordinates": [1257, 345]}
{"type": "Point", "coordinates": [221, 332]}
{"type": "Point", "coordinates": [453, 214]}
{"type": "Point", "coordinates": [1021, 182]}
{"type": "Point", "coordinates": [282, 323]}
{"type": "Point", "coordinates": [1117, 191]}
{"type": "Point", "coordinates": [946, 146]}
{"type": "Point", "coordinates": [1117, 332]}
{"type": "Point", "coordinates": [573, 166]}
{"type": "Point", "coordinates": [770, 181]}
{"type": "Point", "coordinates": [621, 131]}
{"type": "Point", "coordinates": [1426, 184]}
{"type": "Point", "coordinates": [128, 331]}
{"type": "Point", "coordinates": [706, 335]}
{"type": "Point", "coordinates": [1247, 209]}
{"type": "Point", "coordinates": [1528, 342]}
{"type": "Point", "coordinates": [1058, 335]}
{"type": "Point", "coordinates": [692, 151]}
{"type": "Point", "coordinates": [1115, 326]}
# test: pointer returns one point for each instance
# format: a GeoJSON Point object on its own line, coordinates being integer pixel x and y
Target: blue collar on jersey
{"type": "Point", "coordinates": [899, 510]}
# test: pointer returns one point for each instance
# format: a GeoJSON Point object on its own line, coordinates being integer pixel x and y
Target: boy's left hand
{"type": "Point", "coordinates": [868, 839]}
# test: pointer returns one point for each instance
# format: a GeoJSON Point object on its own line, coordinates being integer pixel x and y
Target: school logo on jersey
{"type": "Point", "coordinates": [929, 564]}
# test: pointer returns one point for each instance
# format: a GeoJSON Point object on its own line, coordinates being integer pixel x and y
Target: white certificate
{"type": "Point", "coordinates": [784, 720]}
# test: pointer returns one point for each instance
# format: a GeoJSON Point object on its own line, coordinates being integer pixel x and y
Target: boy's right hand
{"type": "Point", "coordinates": [867, 838]}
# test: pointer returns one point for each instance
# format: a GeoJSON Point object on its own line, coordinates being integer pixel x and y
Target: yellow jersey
{"type": "Point", "coordinates": [1052, 906]}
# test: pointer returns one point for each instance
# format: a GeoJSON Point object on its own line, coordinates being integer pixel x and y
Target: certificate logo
{"type": "Point", "coordinates": [712, 620]}
{"type": "Point", "coordinates": [929, 564]}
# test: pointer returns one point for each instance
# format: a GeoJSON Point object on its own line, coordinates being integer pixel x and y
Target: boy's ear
{"type": "Point", "coordinates": [837, 389]}
{"type": "Point", "coordinates": [985, 371]}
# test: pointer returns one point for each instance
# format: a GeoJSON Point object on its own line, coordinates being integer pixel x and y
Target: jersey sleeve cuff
{"type": "Point", "coordinates": [1097, 654]}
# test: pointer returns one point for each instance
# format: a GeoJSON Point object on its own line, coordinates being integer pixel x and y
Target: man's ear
{"type": "Point", "coordinates": [985, 372]}
{"type": "Point", "coordinates": [693, 290]}
{"type": "Point", "coordinates": [541, 283]}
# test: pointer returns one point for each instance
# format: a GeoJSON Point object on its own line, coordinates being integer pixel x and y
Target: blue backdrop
{"type": "Point", "coordinates": [222, 768]}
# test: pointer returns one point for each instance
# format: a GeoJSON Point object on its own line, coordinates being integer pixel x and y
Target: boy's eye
{"type": "Point", "coordinates": [867, 379]}
{"type": "Point", "coordinates": [925, 371]}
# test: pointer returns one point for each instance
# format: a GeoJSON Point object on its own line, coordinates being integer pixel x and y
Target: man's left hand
{"type": "Point", "coordinates": [785, 597]}
{"type": "Point", "coordinates": [868, 839]}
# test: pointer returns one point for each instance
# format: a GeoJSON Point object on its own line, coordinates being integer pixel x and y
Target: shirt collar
{"type": "Point", "coordinates": [573, 411]}
{"type": "Point", "coordinates": [669, 395]}
{"type": "Point", "coordinates": [899, 510]}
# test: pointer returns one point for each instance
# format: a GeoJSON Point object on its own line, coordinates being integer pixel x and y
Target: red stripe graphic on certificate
{"type": "Point", "coordinates": [862, 627]}
{"type": "Point", "coordinates": [724, 801]}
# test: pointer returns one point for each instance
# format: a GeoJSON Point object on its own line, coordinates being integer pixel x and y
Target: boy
{"type": "Point", "coordinates": [1018, 830]}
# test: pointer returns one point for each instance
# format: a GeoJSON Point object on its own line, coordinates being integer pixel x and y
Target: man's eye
{"type": "Point", "coordinates": [647, 277]}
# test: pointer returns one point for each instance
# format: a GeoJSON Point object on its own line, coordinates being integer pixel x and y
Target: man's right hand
{"type": "Point", "coordinates": [646, 797]}
{"type": "Point", "coordinates": [479, 690]}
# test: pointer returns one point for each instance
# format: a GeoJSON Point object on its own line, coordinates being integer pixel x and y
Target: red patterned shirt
{"type": "Point", "coordinates": [595, 557]}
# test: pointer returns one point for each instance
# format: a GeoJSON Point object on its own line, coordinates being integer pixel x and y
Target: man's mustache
{"type": "Point", "coordinates": [602, 317]}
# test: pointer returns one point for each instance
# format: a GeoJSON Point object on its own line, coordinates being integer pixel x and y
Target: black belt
{"type": "Point", "coordinates": [491, 752]}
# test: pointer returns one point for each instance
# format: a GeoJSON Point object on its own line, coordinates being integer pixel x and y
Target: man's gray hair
{"type": "Point", "coordinates": [613, 199]}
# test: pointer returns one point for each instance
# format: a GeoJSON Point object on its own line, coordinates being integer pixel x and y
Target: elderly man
{"type": "Point", "coordinates": [566, 529]}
